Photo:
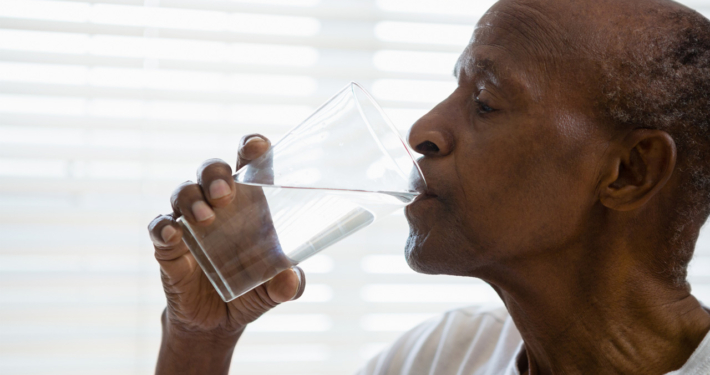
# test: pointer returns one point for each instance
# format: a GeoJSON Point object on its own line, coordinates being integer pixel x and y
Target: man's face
{"type": "Point", "coordinates": [514, 156]}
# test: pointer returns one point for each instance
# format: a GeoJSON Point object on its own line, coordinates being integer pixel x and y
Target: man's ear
{"type": "Point", "coordinates": [637, 169]}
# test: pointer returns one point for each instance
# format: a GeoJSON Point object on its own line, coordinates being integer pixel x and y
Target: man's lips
{"type": "Point", "coordinates": [424, 194]}
{"type": "Point", "coordinates": [418, 184]}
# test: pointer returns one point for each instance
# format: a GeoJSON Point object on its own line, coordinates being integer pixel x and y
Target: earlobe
{"type": "Point", "coordinates": [636, 169]}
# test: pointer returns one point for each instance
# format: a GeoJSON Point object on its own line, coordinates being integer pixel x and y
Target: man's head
{"type": "Point", "coordinates": [577, 126]}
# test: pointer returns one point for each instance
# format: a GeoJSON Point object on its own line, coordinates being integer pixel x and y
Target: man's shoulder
{"type": "Point", "coordinates": [464, 320]}
{"type": "Point", "coordinates": [497, 313]}
{"type": "Point", "coordinates": [467, 325]}
{"type": "Point", "coordinates": [468, 338]}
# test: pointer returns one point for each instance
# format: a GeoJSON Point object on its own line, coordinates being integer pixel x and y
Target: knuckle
{"type": "Point", "coordinates": [211, 168]}
{"type": "Point", "coordinates": [209, 163]}
{"type": "Point", "coordinates": [179, 189]}
{"type": "Point", "coordinates": [156, 226]}
{"type": "Point", "coordinates": [184, 192]}
{"type": "Point", "coordinates": [184, 200]}
{"type": "Point", "coordinates": [155, 223]}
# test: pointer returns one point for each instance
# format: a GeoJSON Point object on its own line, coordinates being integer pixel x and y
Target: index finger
{"type": "Point", "coordinates": [215, 179]}
{"type": "Point", "coordinates": [251, 147]}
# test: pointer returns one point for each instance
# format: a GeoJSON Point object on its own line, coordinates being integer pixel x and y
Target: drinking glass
{"type": "Point", "coordinates": [337, 172]}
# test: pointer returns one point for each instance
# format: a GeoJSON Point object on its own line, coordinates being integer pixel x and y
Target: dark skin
{"type": "Point", "coordinates": [199, 329]}
{"type": "Point", "coordinates": [527, 190]}
{"type": "Point", "coordinates": [557, 212]}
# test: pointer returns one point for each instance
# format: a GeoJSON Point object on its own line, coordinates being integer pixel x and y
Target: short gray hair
{"type": "Point", "coordinates": [663, 82]}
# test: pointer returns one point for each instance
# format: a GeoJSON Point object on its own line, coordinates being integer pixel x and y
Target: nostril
{"type": "Point", "coordinates": [427, 147]}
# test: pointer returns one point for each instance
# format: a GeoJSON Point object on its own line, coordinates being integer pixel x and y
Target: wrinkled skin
{"type": "Point", "coordinates": [518, 148]}
{"type": "Point", "coordinates": [199, 329]}
{"type": "Point", "coordinates": [527, 190]}
{"type": "Point", "coordinates": [558, 211]}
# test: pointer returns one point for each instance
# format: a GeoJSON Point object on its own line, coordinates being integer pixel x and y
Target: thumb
{"type": "Point", "coordinates": [256, 156]}
{"type": "Point", "coordinates": [288, 285]}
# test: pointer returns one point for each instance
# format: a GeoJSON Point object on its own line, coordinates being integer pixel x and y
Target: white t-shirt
{"type": "Point", "coordinates": [475, 341]}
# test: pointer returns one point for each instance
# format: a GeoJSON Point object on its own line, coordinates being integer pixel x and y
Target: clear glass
{"type": "Point", "coordinates": [337, 172]}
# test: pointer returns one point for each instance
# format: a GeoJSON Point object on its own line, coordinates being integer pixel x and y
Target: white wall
{"type": "Point", "coordinates": [105, 106]}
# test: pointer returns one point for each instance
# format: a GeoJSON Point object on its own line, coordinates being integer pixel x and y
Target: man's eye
{"type": "Point", "coordinates": [483, 108]}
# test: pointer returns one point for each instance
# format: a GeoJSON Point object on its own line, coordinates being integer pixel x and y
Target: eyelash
{"type": "Point", "coordinates": [483, 108]}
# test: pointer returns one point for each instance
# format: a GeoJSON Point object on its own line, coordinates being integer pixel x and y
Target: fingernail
{"type": "Point", "coordinates": [202, 211]}
{"type": "Point", "coordinates": [300, 289]}
{"type": "Point", "coordinates": [167, 233]}
{"type": "Point", "coordinates": [253, 139]}
{"type": "Point", "coordinates": [219, 189]}
{"type": "Point", "coordinates": [298, 275]}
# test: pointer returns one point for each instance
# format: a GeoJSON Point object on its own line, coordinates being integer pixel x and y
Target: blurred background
{"type": "Point", "coordinates": [107, 105]}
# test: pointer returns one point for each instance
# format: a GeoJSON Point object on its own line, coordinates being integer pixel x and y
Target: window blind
{"type": "Point", "coordinates": [107, 105]}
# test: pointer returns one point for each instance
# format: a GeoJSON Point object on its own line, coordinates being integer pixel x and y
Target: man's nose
{"type": "Point", "coordinates": [428, 137]}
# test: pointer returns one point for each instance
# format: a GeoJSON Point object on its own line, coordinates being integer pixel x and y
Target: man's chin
{"type": "Point", "coordinates": [416, 255]}
{"type": "Point", "coordinates": [431, 254]}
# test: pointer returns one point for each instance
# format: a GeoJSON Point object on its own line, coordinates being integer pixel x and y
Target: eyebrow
{"type": "Point", "coordinates": [483, 65]}
{"type": "Point", "coordinates": [496, 72]}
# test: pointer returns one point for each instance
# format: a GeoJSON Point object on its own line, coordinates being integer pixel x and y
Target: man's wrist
{"type": "Point", "coordinates": [177, 332]}
{"type": "Point", "coordinates": [186, 351]}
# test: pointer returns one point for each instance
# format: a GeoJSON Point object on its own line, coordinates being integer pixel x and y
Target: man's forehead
{"type": "Point", "coordinates": [513, 41]}
{"type": "Point", "coordinates": [494, 66]}
{"type": "Point", "coordinates": [535, 25]}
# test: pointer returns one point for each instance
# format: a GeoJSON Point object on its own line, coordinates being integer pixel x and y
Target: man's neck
{"type": "Point", "coordinates": [611, 320]}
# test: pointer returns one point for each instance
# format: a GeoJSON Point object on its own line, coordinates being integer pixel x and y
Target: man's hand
{"type": "Point", "coordinates": [199, 329]}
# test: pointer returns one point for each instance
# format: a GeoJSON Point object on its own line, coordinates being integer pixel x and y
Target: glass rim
{"type": "Point", "coordinates": [373, 102]}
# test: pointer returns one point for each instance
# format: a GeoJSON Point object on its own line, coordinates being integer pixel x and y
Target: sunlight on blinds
{"type": "Point", "coordinates": [107, 105]}
{"type": "Point", "coordinates": [449, 7]}
{"type": "Point", "coordinates": [157, 48]}
{"type": "Point", "coordinates": [415, 62]}
{"type": "Point", "coordinates": [157, 17]}
{"type": "Point", "coordinates": [415, 32]}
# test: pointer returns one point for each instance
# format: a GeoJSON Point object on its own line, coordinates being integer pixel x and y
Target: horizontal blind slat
{"type": "Point", "coordinates": [87, 161]}
{"type": "Point", "coordinates": [363, 43]}
{"type": "Point", "coordinates": [330, 71]}
{"type": "Point", "coordinates": [333, 10]}
{"type": "Point", "coordinates": [83, 91]}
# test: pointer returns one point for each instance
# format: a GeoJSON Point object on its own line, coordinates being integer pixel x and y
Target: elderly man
{"type": "Point", "coordinates": [569, 170]}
